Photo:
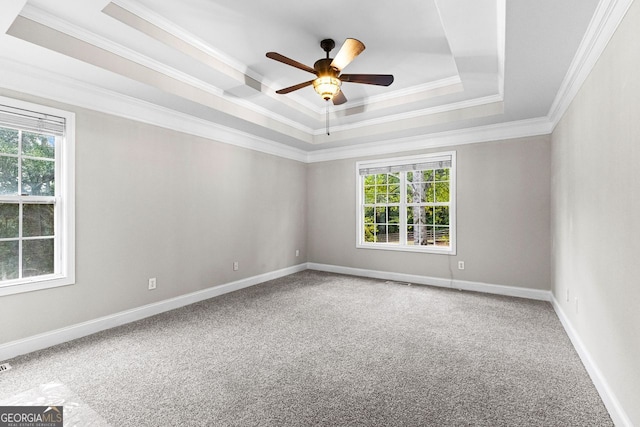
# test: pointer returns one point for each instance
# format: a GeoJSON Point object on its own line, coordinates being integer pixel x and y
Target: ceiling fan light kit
{"type": "Point", "coordinates": [327, 87]}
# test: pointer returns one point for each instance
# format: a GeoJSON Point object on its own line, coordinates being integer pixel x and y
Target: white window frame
{"type": "Point", "coordinates": [64, 205]}
{"type": "Point", "coordinates": [399, 161]}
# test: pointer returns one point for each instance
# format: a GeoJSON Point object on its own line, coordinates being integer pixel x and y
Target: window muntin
{"type": "Point", "coordinates": [407, 203]}
{"type": "Point", "coordinates": [36, 197]}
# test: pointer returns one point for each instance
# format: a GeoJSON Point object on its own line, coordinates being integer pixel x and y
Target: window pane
{"type": "Point", "coordinates": [427, 175]}
{"type": "Point", "coordinates": [381, 178]}
{"type": "Point", "coordinates": [38, 177]}
{"type": "Point", "coordinates": [442, 192]}
{"type": "Point", "coordinates": [381, 236]}
{"type": "Point", "coordinates": [422, 235]}
{"type": "Point", "coordinates": [394, 178]}
{"type": "Point", "coordinates": [442, 236]}
{"type": "Point", "coordinates": [394, 234]}
{"type": "Point", "coordinates": [441, 215]}
{"type": "Point", "coordinates": [38, 145]}
{"type": "Point", "coordinates": [420, 215]}
{"type": "Point", "coordinates": [37, 257]}
{"type": "Point", "coordinates": [428, 193]}
{"type": "Point", "coordinates": [8, 260]}
{"type": "Point", "coordinates": [370, 233]}
{"type": "Point", "coordinates": [9, 213]}
{"type": "Point", "coordinates": [394, 215]}
{"type": "Point", "coordinates": [369, 215]}
{"type": "Point", "coordinates": [369, 194]}
{"type": "Point", "coordinates": [442, 174]}
{"type": "Point", "coordinates": [381, 194]}
{"type": "Point", "coordinates": [381, 215]}
{"type": "Point", "coordinates": [394, 193]}
{"type": "Point", "coordinates": [8, 175]}
{"type": "Point", "coordinates": [8, 141]}
{"type": "Point", "coordinates": [37, 220]}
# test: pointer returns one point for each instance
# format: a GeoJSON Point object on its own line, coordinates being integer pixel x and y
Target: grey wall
{"type": "Point", "coordinates": [151, 202]}
{"type": "Point", "coordinates": [595, 213]}
{"type": "Point", "coordinates": [503, 217]}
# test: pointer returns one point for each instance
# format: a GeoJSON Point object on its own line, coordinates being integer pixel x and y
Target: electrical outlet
{"type": "Point", "coordinates": [152, 283]}
{"type": "Point", "coordinates": [236, 265]}
{"type": "Point", "coordinates": [297, 252]}
{"type": "Point", "coordinates": [460, 265]}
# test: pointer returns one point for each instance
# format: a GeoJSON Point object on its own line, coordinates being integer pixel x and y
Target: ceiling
{"type": "Point", "coordinates": [458, 64]}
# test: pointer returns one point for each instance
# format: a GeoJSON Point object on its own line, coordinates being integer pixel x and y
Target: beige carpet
{"type": "Point", "coordinates": [324, 349]}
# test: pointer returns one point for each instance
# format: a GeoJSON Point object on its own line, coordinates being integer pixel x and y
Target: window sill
{"type": "Point", "coordinates": [399, 248]}
{"type": "Point", "coordinates": [28, 285]}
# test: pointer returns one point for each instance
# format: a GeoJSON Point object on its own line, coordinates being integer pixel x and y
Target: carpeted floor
{"type": "Point", "coordinates": [324, 349]}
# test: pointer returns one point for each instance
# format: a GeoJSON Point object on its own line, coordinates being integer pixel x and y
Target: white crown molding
{"type": "Point", "coordinates": [422, 91]}
{"type": "Point", "coordinates": [59, 336]}
{"type": "Point", "coordinates": [46, 84]}
{"type": "Point", "coordinates": [610, 400]}
{"type": "Point", "coordinates": [44, 18]}
{"type": "Point", "coordinates": [230, 66]}
{"type": "Point", "coordinates": [605, 21]}
{"type": "Point", "coordinates": [205, 53]}
{"type": "Point", "coordinates": [164, 24]}
{"type": "Point", "coordinates": [34, 81]}
{"type": "Point", "coordinates": [469, 103]}
{"type": "Point", "coordinates": [487, 133]}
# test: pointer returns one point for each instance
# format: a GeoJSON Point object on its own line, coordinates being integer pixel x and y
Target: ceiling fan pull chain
{"type": "Point", "coordinates": [327, 117]}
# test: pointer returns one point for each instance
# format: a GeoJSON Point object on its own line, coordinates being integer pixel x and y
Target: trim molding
{"type": "Point", "coordinates": [464, 285]}
{"type": "Point", "coordinates": [611, 402]}
{"type": "Point", "coordinates": [605, 21]}
{"type": "Point", "coordinates": [44, 18]}
{"type": "Point", "coordinates": [456, 106]}
{"type": "Point", "coordinates": [59, 336]}
{"type": "Point", "coordinates": [26, 79]}
{"type": "Point", "coordinates": [496, 132]}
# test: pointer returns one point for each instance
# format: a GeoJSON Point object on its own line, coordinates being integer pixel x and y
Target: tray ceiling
{"type": "Point", "coordinates": [457, 63]}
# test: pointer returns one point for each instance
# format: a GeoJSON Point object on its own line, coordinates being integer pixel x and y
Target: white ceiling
{"type": "Point", "coordinates": [457, 63]}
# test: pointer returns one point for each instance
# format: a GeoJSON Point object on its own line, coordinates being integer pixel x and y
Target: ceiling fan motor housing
{"type": "Point", "coordinates": [327, 45]}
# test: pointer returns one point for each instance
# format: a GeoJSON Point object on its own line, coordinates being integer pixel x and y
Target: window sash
{"type": "Point", "coordinates": [403, 166]}
{"type": "Point", "coordinates": [22, 116]}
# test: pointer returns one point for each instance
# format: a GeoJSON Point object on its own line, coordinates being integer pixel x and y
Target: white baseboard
{"type": "Point", "coordinates": [611, 402]}
{"type": "Point", "coordinates": [464, 285]}
{"type": "Point", "coordinates": [59, 336]}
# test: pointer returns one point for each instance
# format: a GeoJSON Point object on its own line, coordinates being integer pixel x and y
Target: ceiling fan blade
{"type": "Point", "coordinates": [281, 58]}
{"type": "Point", "coordinates": [347, 53]}
{"type": "Point", "coordinates": [369, 79]}
{"type": "Point", "coordinates": [339, 98]}
{"type": "Point", "coordinates": [294, 87]}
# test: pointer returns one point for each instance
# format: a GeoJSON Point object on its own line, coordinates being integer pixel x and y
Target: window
{"type": "Point", "coordinates": [407, 204]}
{"type": "Point", "coordinates": [36, 197]}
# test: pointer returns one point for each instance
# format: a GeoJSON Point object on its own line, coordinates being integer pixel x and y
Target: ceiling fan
{"type": "Point", "coordinates": [327, 70]}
